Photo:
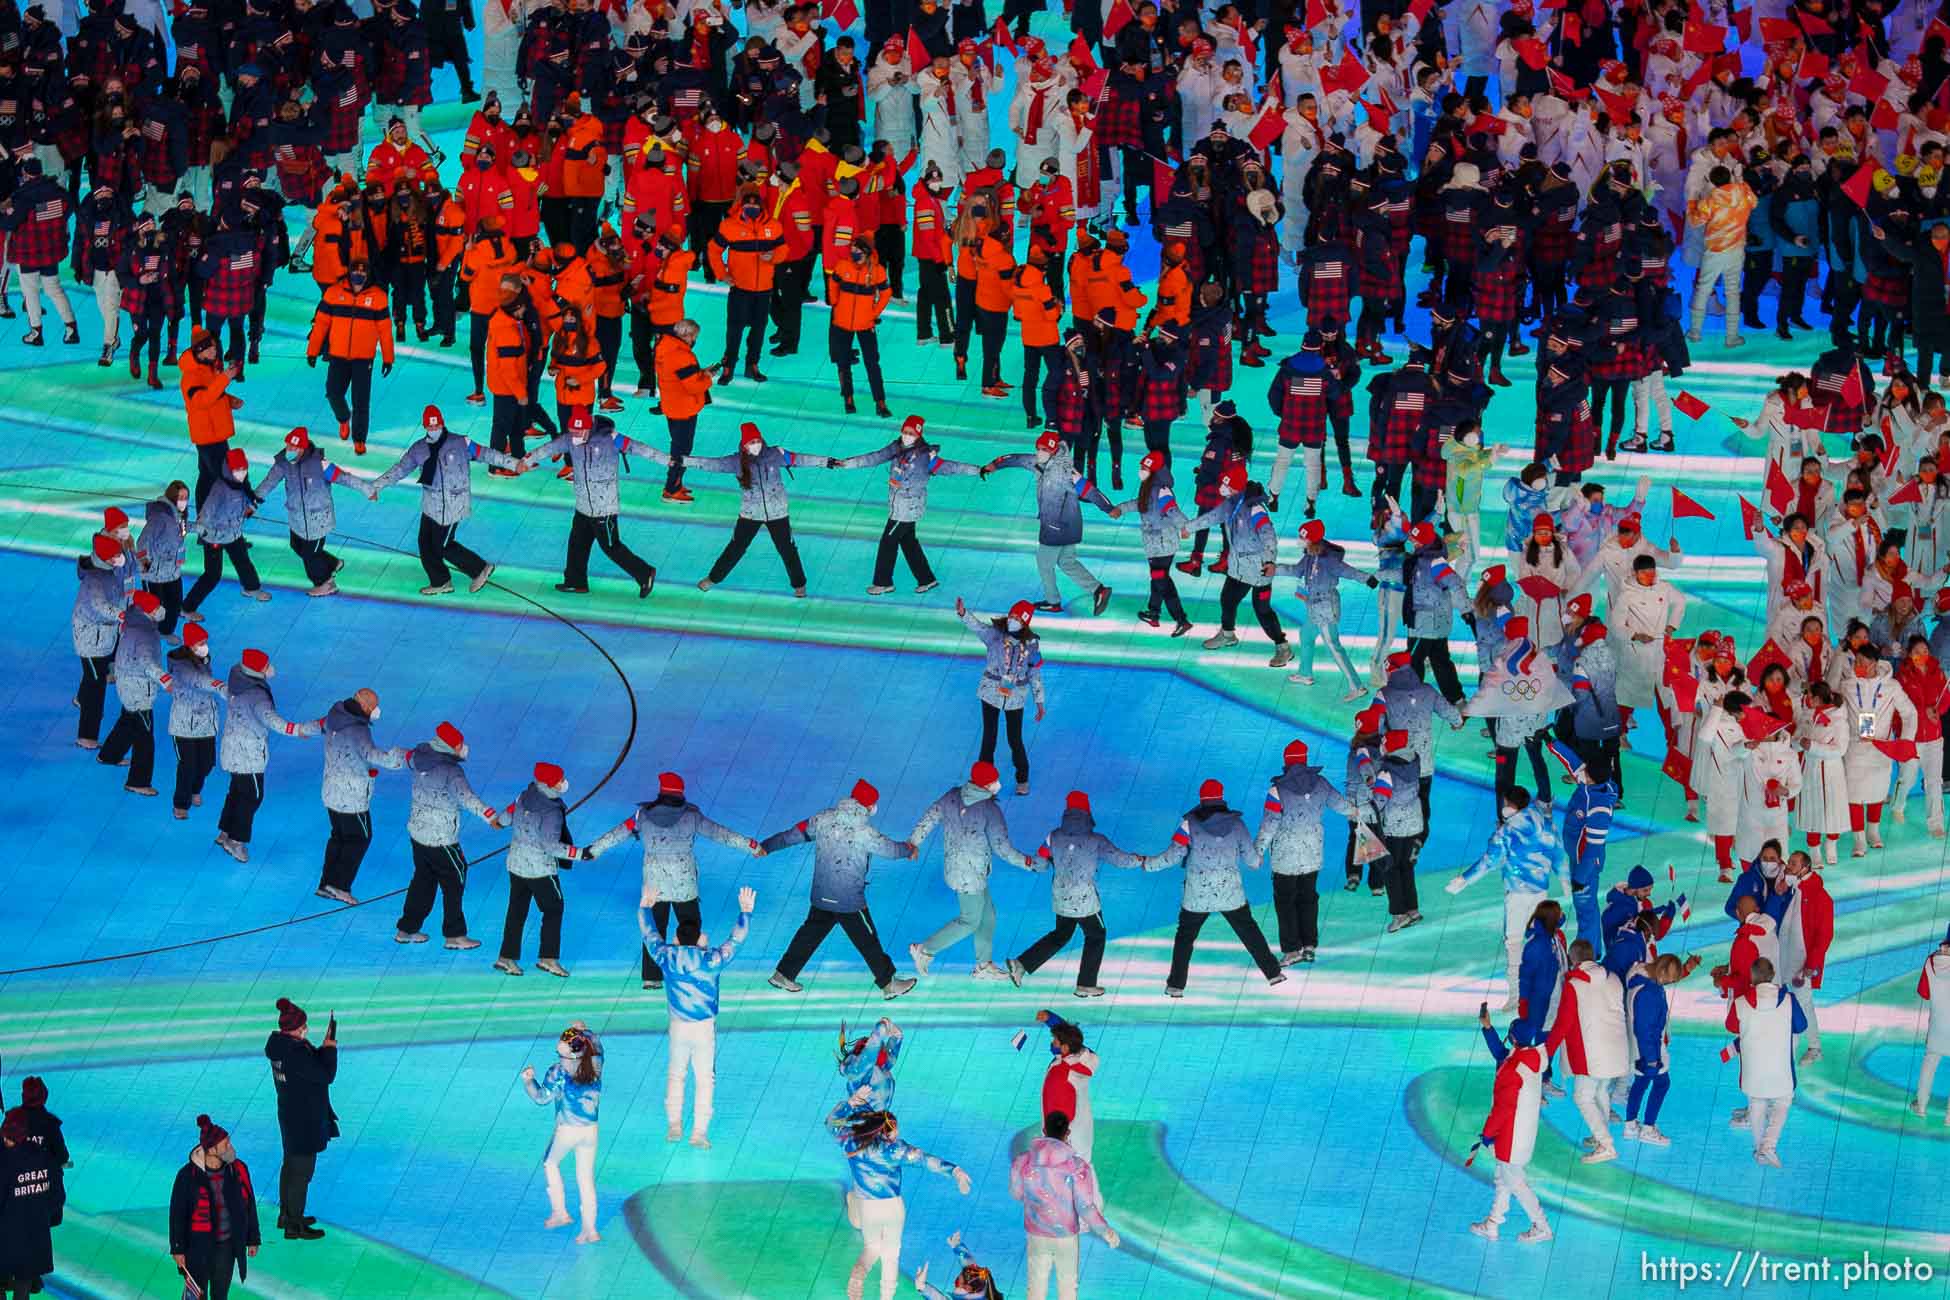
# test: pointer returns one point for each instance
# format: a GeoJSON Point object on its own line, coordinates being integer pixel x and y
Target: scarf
{"type": "Point", "coordinates": [1033, 128]}
{"type": "Point", "coordinates": [1804, 504]}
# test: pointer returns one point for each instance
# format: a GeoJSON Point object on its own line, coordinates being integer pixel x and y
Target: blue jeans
{"type": "Point", "coordinates": [1658, 1081]}
{"type": "Point", "coordinates": [1584, 902]}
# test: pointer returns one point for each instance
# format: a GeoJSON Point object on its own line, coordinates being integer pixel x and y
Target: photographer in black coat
{"type": "Point", "coordinates": [213, 1214]}
{"type": "Point", "coordinates": [303, 1075]}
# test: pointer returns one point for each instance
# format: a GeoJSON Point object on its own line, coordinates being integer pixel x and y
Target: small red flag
{"type": "Point", "coordinates": [1316, 14]}
{"type": "Point", "coordinates": [1751, 520]}
{"type": "Point", "coordinates": [1778, 31]}
{"type": "Point", "coordinates": [1248, 48]}
{"type": "Point", "coordinates": [1857, 188]}
{"type": "Point", "coordinates": [1780, 489]}
{"type": "Point", "coordinates": [1684, 507]}
{"type": "Point", "coordinates": [1486, 125]}
{"type": "Point", "coordinates": [1119, 17]}
{"type": "Point", "coordinates": [1726, 1054]}
{"type": "Point", "coordinates": [1573, 28]}
{"type": "Point", "coordinates": [1909, 493]}
{"type": "Point", "coordinates": [1743, 22]}
{"type": "Point", "coordinates": [1705, 38]}
{"type": "Point", "coordinates": [1619, 108]}
{"type": "Point", "coordinates": [1533, 52]}
{"type": "Point", "coordinates": [1868, 83]}
{"type": "Point", "coordinates": [1883, 117]}
{"type": "Point", "coordinates": [1002, 36]}
{"type": "Point", "coordinates": [917, 53]}
{"type": "Point", "coordinates": [1270, 125]}
{"type": "Point", "coordinates": [1350, 74]}
{"type": "Point", "coordinates": [1081, 56]}
{"type": "Point", "coordinates": [1812, 25]}
{"type": "Point", "coordinates": [1807, 417]}
{"type": "Point", "coordinates": [1814, 66]}
{"type": "Point", "coordinates": [1851, 392]}
{"type": "Point", "coordinates": [1692, 406]}
{"type": "Point", "coordinates": [1420, 8]}
{"type": "Point", "coordinates": [1701, 75]}
{"type": "Point", "coordinates": [845, 13]}
{"type": "Point", "coordinates": [1565, 88]}
{"type": "Point", "coordinates": [1678, 766]}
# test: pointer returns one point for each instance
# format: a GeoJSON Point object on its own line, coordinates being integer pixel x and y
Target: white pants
{"type": "Point", "coordinates": [108, 301]}
{"type": "Point", "coordinates": [1517, 907]}
{"type": "Point", "coordinates": [581, 1139]}
{"type": "Point", "coordinates": [1648, 391]}
{"type": "Point", "coordinates": [31, 285]}
{"type": "Point", "coordinates": [1592, 1096]}
{"type": "Point", "coordinates": [1805, 995]}
{"type": "Point", "coordinates": [880, 1223]}
{"type": "Point", "coordinates": [1927, 764]}
{"type": "Point", "coordinates": [1726, 266]}
{"type": "Point", "coordinates": [1329, 634]}
{"type": "Point", "coordinates": [1052, 1254]}
{"type": "Point", "coordinates": [1926, 1081]}
{"type": "Point", "coordinates": [1512, 1181]}
{"type": "Point", "coordinates": [1314, 465]}
{"type": "Point", "coordinates": [1388, 610]}
{"type": "Point", "coordinates": [693, 1045]}
{"type": "Point", "coordinates": [1767, 1116]}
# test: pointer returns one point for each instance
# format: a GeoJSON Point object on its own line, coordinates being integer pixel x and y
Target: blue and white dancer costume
{"type": "Point", "coordinates": [875, 1159]}
{"type": "Point", "coordinates": [691, 973]}
{"type": "Point", "coordinates": [575, 1085]}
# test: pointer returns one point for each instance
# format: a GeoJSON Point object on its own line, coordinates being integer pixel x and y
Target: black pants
{"type": "Point", "coordinates": [787, 307]}
{"type": "Point", "coordinates": [438, 549]}
{"type": "Point", "coordinates": [683, 435]}
{"type": "Point", "coordinates": [294, 1186]}
{"type": "Point", "coordinates": [210, 458]}
{"type": "Point", "coordinates": [690, 924]}
{"type": "Point", "coordinates": [1243, 925]}
{"type": "Point", "coordinates": [91, 695]}
{"type": "Point", "coordinates": [1376, 868]}
{"type": "Point", "coordinates": [219, 1267]}
{"type": "Point", "coordinates": [206, 582]}
{"type": "Point", "coordinates": [609, 342]}
{"type": "Point", "coordinates": [933, 316]}
{"type": "Point", "coordinates": [1138, 172]}
{"type": "Point", "coordinates": [1164, 591]}
{"type": "Point", "coordinates": [899, 535]}
{"type": "Point", "coordinates": [742, 534]}
{"type": "Point", "coordinates": [435, 867]}
{"type": "Point", "coordinates": [1388, 482]}
{"type": "Point", "coordinates": [1756, 275]}
{"type": "Point", "coordinates": [444, 308]}
{"type": "Point", "coordinates": [744, 318]}
{"type": "Point", "coordinates": [195, 756]}
{"type": "Point", "coordinates": [1044, 361]}
{"type": "Point", "coordinates": [556, 219]}
{"type": "Point", "coordinates": [148, 330]}
{"type": "Point", "coordinates": [890, 246]}
{"type": "Point", "coordinates": [840, 345]}
{"type": "Point", "coordinates": [345, 848]}
{"type": "Point", "coordinates": [546, 893]}
{"type": "Point", "coordinates": [1403, 850]}
{"type": "Point", "coordinates": [1235, 591]}
{"type": "Point", "coordinates": [1049, 945]}
{"type": "Point", "coordinates": [133, 734]}
{"type": "Point", "coordinates": [319, 563]}
{"type": "Point", "coordinates": [508, 425]}
{"type": "Point", "coordinates": [1017, 753]}
{"type": "Point", "coordinates": [1296, 904]}
{"type": "Point", "coordinates": [171, 595]}
{"type": "Point", "coordinates": [477, 332]}
{"type": "Point", "coordinates": [994, 328]}
{"type": "Point", "coordinates": [1506, 767]}
{"type": "Point", "coordinates": [240, 805]}
{"type": "Point", "coordinates": [410, 297]}
{"type": "Point", "coordinates": [858, 927]}
{"type": "Point", "coordinates": [1431, 653]}
{"type": "Point", "coordinates": [342, 376]}
{"type": "Point", "coordinates": [964, 315]}
{"type": "Point", "coordinates": [704, 222]}
{"type": "Point", "coordinates": [586, 531]}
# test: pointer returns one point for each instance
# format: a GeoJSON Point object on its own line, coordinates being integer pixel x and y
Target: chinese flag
{"type": "Point", "coordinates": [1692, 406]}
{"type": "Point", "coordinates": [1743, 22]}
{"type": "Point", "coordinates": [1909, 493]}
{"type": "Point", "coordinates": [1420, 8]}
{"type": "Point", "coordinates": [1316, 13]}
{"type": "Point", "coordinates": [1619, 108]}
{"type": "Point", "coordinates": [1857, 188]}
{"type": "Point", "coordinates": [1852, 387]}
{"type": "Point", "coordinates": [1868, 83]}
{"type": "Point", "coordinates": [917, 53]}
{"type": "Point", "coordinates": [1684, 507]}
{"type": "Point", "coordinates": [1902, 751]}
{"type": "Point", "coordinates": [1271, 122]}
{"type": "Point", "coordinates": [1565, 88]}
{"type": "Point", "coordinates": [1814, 66]}
{"type": "Point", "coordinates": [1378, 116]}
{"type": "Point", "coordinates": [843, 12]}
{"type": "Point", "coordinates": [1780, 488]}
{"type": "Point", "coordinates": [1751, 519]}
{"type": "Point", "coordinates": [1350, 74]}
{"type": "Point", "coordinates": [1778, 31]}
{"type": "Point", "coordinates": [1812, 25]}
{"type": "Point", "coordinates": [1882, 117]}
{"type": "Point", "coordinates": [1486, 126]}
{"type": "Point", "coordinates": [1002, 36]}
{"type": "Point", "coordinates": [1080, 55]}
{"type": "Point", "coordinates": [1533, 53]}
{"type": "Point", "coordinates": [1093, 85]}
{"type": "Point", "coordinates": [1119, 17]}
{"type": "Point", "coordinates": [1705, 38]}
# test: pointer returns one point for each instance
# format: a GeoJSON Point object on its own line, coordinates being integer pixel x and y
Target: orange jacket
{"type": "Point", "coordinates": [1110, 286]}
{"type": "Point", "coordinates": [993, 263]}
{"type": "Point", "coordinates": [1086, 289]}
{"type": "Point", "coordinates": [487, 260]}
{"type": "Point", "coordinates": [541, 292]}
{"type": "Point", "coordinates": [858, 293]}
{"type": "Point", "coordinates": [606, 279]}
{"type": "Point", "coordinates": [1174, 298]}
{"type": "Point", "coordinates": [683, 385]}
{"type": "Point", "coordinates": [206, 399]}
{"type": "Point", "coordinates": [1036, 307]}
{"type": "Point", "coordinates": [667, 287]}
{"type": "Point", "coordinates": [335, 245]}
{"type": "Point", "coordinates": [577, 369]}
{"type": "Point", "coordinates": [744, 250]}
{"type": "Point", "coordinates": [574, 288]}
{"type": "Point", "coordinates": [585, 161]}
{"type": "Point", "coordinates": [449, 234]}
{"type": "Point", "coordinates": [507, 357]}
{"type": "Point", "coordinates": [351, 323]}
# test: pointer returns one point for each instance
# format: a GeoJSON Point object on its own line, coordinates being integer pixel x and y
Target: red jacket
{"type": "Point", "coordinates": [796, 215]}
{"type": "Point", "coordinates": [816, 174]}
{"type": "Point", "coordinates": [929, 234]}
{"type": "Point", "coordinates": [524, 217]}
{"type": "Point", "coordinates": [1500, 1129]}
{"type": "Point", "coordinates": [714, 166]}
{"type": "Point", "coordinates": [844, 223]}
{"type": "Point", "coordinates": [1817, 908]}
{"type": "Point", "coordinates": [1927, 688]}
{"type": "Point", "coordinates": [656, 193]}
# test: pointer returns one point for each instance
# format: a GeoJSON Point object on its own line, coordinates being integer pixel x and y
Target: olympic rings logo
{"type": "Point", "coordinates": [1523, 689]}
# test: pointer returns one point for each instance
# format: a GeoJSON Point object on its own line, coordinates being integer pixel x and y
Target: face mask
{"type": "Point", "coordinates": [753, 448]}
{"type": "Point", "coordinates": [751, 209]}
{"type": "Point", "coordinates": [374, 715]}
{"type": "Point", "coordinates": [202, 652]}
{"type": "Point", "coordinates": [356, 281]}
{"type": "Point", "coordinates": [182, 505]}
{"type": "Point", "coordinates": [909, 439]}
{"type": "Point", "coordinates": [1143, 474]}
{"type": "Point", "coordinates": [1015, 625]}
{"type": "Point", "coordinates": [1042, 458]}
{"type": "Point", "coordinates": [1770, 868]}
{"type": "Point", "coordinates": [431, 435]}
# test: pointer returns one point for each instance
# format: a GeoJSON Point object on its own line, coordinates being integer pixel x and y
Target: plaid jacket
{"type": "Point", "coordinates": [1300, 394]}
{"type": "Point", "coordinates": [1256, 255]}
{"type": "Point", "coordinates": [1497, 288]}
{"type": "Point", "coordinates": [36, 218]}
{"type": "Point", "coordinates": [1208, 363]}
{"type": "Point", "coordinates": [1072, 406]}
{"type": "Point", "coordinates": [1565, 429]}
{"type": "Point", "coordinates": [1398, 403]}
{"type": "Point", "coordinates": [1458, 215]}
{"type": "Point", "coordinates": [1118, 123]}
{"type": "Point", "coordinates": [99, 229]}
{"type": "Point", "coordinates": [229, 266]}
{"type": "Point", "coordinates": [1380, 279]}
{"type": "Point", "coordinates": [145, 274]}
{"type": "Point", "coordinates": [1327, 283]}
{"type": "Point", "coordinates": [1161, 380]}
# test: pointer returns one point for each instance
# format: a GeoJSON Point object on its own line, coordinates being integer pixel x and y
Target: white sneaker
{"type": "Point", "coordinates": [895, 988]}
{"type": "Point", "coordinates": [1736, 340]}
{"type": "Point", "coordinates": [1484, 1229]}
{"type": "Point", "coordinates": [1353, 693]}
{"type": "Point", "coordinates": [1919, 1108]}
{"type": "Point", "coordinates": [1651, 1136]}
{"type": "Point", "coordinates": [1631, 1131]}
{"type": "Point", "coordinates": [557, 1220]}
{"type": "Point", "coordinates": [507, 966]}
{"type": "Point", "coordinates": [1828, 852]}
{"type": "Point", "coordinates": [1398, 923]}
{"type": "Point", "coordinates": [922, 958]}
{"type": "Point", "coordinates": [1535, 1233]}
{"type": "Point", "coordinates": [1875, 835]}
{"type": "Point", "coordinates": [700, 1141]}
{"type": "Point", "coordinates": [1810, 1056]}
{"type": "Point", "coordinates": [329, 587]}
{"type": "Point", "coordinates": [988, 970]}
{"type": "Point", "coordinates": [1769, 1157]}
{"type": "Point", "coordinates": [1861, 849]}
{"type": "Point", "coordinates": [1600, 1155]}
{"type": "Point", "coordinates": [462, 943]}
{"type": "Point", "coordinates": [477, 582]}
{"type": "Point", "coordinates": [1220, 640]}
{"type": "Point", "coordinates": [438, 589]}
{"type": "Point", "coordinates": [1301, 679]}
{"type": "Point", "coordinates": [1899, 815]}
{"type": "Point", "coordinates": [338, 895]}
{"type": "Point", "coordinates": [552, 967]}
{"type": "Point", "coordinates": [675, 1133]}
{"type": "Point", "coordinates": [588, 1236]}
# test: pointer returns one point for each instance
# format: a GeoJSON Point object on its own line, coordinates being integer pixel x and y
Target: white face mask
{"type": "Point", "coordinates": [1042, 458]}
{"type": "Point", "coordinates": [201, 651]}
{"type": "Point", "coordinates": [374, 715]}
{"type": "Point", "coordinates": [717, 124]}
{"type": "Point", "coordinates": [118, 561]}
{"type": "Point", "coordinates": [182, 505]}
{"type": "Point", "coordinates": [1225, 490]}
{"type": "Point", "coordinates": [1015, 625]}
{"type": "Point", "coordinates": [578, 436]}
{"type": "Point", "coordinates": [753, 448]}
{"type": "Point", "coordinates": [1770, 868]}
{"type": "Point", "coordinates": [563, 788]}
{"type": "Point", "coordinates": [909, 439]}
{"type": "Point", "coordinates": [994, 787]}
{"type": "Point", "coordinates": [1143, 474]}
{"type": "Point", "coordinates": [432, 435]}
{"type": "Point", "coordinates": [1508, 813]}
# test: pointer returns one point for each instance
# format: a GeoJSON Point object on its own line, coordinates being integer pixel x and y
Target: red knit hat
{"type": "Point", "coordinates": [1629, 522]}
{"type": "Point", "coordinates": [290, 1015]}
{"type": "Point", "coordinates": [1022, 611]}
{"type": "Point", "coordinates": [1579, 606]}
{"type": "Point", "coordinates": [670, 783]}
{"type": "Point", "coordinates": [107, 549]}
{"type": "Point", "coordinates": [865, 794]}
{"type": "Point", "coordinates": [210, 1135]}
{"type": "Point", "coordinates": [1516, 629]}
{"type": "Point", "coordinates": [1593, 631]}
{"type": "Point", "coordinates": [749, 432]}
{"type": "Point", "coordinates": [145, 601]}
{"type": "Point", "coordinates": [984, 774]}
{"type": "Point", "coordinates": [1051, 441]}
{"type": "Point", "coordinates": [1400, 659]}
{"type": "Point", "coordinates": [431, 418]}
{"type": "Point", "coordinates": [449, 735]}
{"type": "Point", "coordinates": [549, 775]}
{"type": "Point", "coordinates": [1313, 531]}
{"type": "Point", "coordinates": [1078, 800]}
{"type": "Point", "coordinates": [1296, 752]}
{"type": "Point", "coordinates": [1370, 719]}
{"type": "Point", "coordinates": [1495, 574]}
{"type": "Point", "coordinates": [1234, 477]}
{"type": "Point", "coordinates": [297, 440]}
{"type": "Point", "coordinates": [256, 662]}
{"type": "Point", "coordinates": [1210, 791]}
{"type": "Point", "coordinates": [194, 635]}
{"type": "Point", "coordinates": [113, 518]}
{"type": "Point", "coordinates": [1422, 534]}
{"type": "Point", "coordinates": [236, 460]}
{"type": "Point", "coordinates": [913, 424]}
{"type": "Point", "coordinates": [579, 421]}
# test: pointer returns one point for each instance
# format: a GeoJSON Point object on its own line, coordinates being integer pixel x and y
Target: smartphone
{"type": "Point", "coordinates": [1482, 1009]}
